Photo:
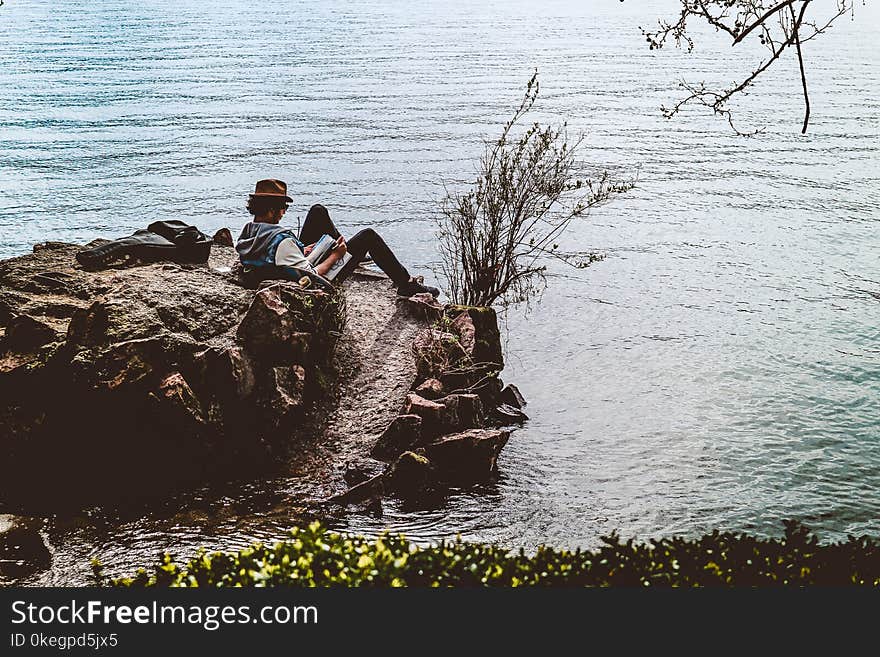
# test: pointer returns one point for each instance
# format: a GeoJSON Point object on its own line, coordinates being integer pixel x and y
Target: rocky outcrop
{"type": "Point", "coordinates": [145, 377]}
{"type": "Point", "coordinates": [443, 434]}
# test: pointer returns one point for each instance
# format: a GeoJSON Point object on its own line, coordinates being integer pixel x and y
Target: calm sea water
{"type": "Point", "coordinates": [719, 369]}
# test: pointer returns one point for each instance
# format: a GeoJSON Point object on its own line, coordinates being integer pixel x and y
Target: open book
{"type": "Point", "coordinates": [319, 253]}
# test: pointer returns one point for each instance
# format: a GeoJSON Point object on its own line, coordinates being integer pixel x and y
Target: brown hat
{"type": "Point", "coordinates": [272, 188]}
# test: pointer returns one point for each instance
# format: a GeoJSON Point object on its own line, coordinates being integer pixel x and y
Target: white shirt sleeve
{"type": "Point", "coordinates": [288, 255]}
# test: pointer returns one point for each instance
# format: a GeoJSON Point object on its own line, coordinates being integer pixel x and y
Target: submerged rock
{"type": "Point", "coordinates": [404, 432]}
{"type": "Point", "coordinates": [467, 456]}
{"type": "Point", "coordinates": [505, 414]}
{"type": "Point", "coordinates": [511, 396]}
{"type": "Point", "coordinates": [22, 548]}
{"type": "Point", "coordinates": [360, 470]}
{"type": "Point", "coordinates": [410, 475]}
{"type": "Point", "coordinates": [462, 458]}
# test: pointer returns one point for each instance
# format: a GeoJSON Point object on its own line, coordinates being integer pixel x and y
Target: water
{"type": "Point", "coordinates": [719, 369]}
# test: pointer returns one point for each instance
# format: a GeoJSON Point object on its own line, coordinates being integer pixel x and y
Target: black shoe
{"type": "Point", "coordinates": [411, 287]}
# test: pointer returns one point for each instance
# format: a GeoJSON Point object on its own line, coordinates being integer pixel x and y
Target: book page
{"type": "Point", "coordinates": [321, 249]}
{"type": "Point", "coordinates": [337, 267]}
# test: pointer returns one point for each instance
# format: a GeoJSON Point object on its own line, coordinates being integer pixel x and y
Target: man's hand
{"type": "Point", "coordinates": [339, 250]}
{"type": "Point", "coordinates": [308, 249]}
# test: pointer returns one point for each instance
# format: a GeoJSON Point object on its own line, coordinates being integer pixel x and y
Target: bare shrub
{"type": "Point", "coordinates": [496, 236]}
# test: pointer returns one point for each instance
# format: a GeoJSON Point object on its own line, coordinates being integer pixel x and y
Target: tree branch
{"type": "Point", "coordinates": [778, 27]}
{"type": "Point", "coordinates": [797, 42]}
{"type": "Point", "coordinates": [762, 19]}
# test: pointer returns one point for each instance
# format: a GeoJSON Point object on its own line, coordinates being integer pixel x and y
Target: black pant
{"type": "Point", "coordinates": [365, 242]}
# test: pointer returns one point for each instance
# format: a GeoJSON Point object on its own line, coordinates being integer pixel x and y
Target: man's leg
{"type": "Point", "coordinates": [368, 241]}
{"type": "Point", "coordinates": [317, 223]}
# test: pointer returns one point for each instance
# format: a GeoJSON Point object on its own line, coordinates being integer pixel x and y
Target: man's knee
{"type": "Point", "coordinates": [367, 234]}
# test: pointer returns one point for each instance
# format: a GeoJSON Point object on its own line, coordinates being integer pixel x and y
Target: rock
{"type": "Point", "coordinates": [449, 413]}
{"type": "Point", "coordinates": [477, 329]}
{"type": "Point", "coordinates": [436, 351]}
{"type": "Point", "coordinates": [512, 396]}
{"type": "Point", "coordinates": [429, 389]}
{"type": "Point", "coordinates": [464, 328]}
{"type": "Point", "coordinates": [505, 414]}
{"type": "Point", "coordinates": [22, 548]}
{"type": "Point", "coordinates": [225, 372]}
{"type": "Point", "coordinates": [489, 390]}
{"type": "Point", "coordinates": [366, 478]}
{"type": "Point", "coordinates": [469, 456]}
{"type": "Point", "coordinates": [464, 379]}
{"type": "Point", "coordinates": [404, 432]}
{"type": "Point", "coordinates": [432, 413]}
{"type": "Point", "coordinates": [25, 333]}
{"type": "Point", "coordinates": [358, 471]}
{"type": "Point", "coordinates": [142, 380]}
{"type": "Point", "coordinates": [10, 303]}
{"type": "Point", "coordinates": [463, 411]}
{"type": "Point", "coordinates": [129, 365]}
{"type": "Point", "coordinates": [269, 328]}
{"type": "Point", "coordinates": [422, 306]}
{"type": "Point", "coordinates": [285, 389]}
{"type": "Point", "coordinates": [223, 237]}
{"type": "Point", "coordinates": [126, 364]}
{"type": "Point", "coordinates": [89, 327]}
{"type": "Point", "coordinates": [177, 402]}
{"type": "Point", "coordinates": [366, 490]}
{"type": "Point", "coordinates": [409, 476]}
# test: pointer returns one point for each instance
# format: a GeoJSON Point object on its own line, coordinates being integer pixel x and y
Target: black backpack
{"type": "Point", "coordinates": [173, 241]}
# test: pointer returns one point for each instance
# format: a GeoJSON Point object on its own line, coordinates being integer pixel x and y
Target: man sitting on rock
{"type": "Point", "coordinates": [270, 251]}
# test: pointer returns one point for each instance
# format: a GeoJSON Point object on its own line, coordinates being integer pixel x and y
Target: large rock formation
{"type": "Point", "coordinates": [142, 378]}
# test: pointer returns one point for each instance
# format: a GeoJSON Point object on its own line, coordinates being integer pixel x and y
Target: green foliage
{"type": "Point", "coordinates": [315, 556]}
